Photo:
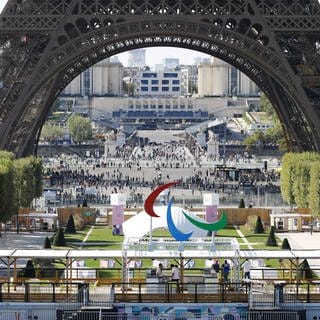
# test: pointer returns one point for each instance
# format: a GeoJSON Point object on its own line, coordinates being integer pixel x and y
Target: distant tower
{"type": "Point", "coordinates": [137, 58]}
{"type": "Point", "coordinates": [120, 138]}
{"type": "Point", "coordinates": [110, 145]}
{"type": "Point", "coordinates": [171, 63]}
{"type": "Point", "coordinates": [201, 138]}
{"type": "Point", "coordinates": [213, 146]}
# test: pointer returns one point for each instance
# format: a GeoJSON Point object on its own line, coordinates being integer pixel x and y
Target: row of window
{"type": "Point", "coordinates": [155, 75]}
{"type": "Point", "coordinates": [156, 81]}
{"type": "Point", "coordinates": [163, 89]}
{"type": "Point", "coordinates": [159, 107]}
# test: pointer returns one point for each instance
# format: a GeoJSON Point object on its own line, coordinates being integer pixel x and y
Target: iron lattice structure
{"type": "Point", "coordinates": [46, 43]}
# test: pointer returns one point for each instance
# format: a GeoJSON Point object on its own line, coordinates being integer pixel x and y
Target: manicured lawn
{"type": "Point", "coordinates": [101, 237]}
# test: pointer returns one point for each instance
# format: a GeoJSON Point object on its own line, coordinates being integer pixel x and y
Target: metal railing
{"type": "Point", "coordinates": [105, 315]}
{"type": "Point", "coordinates": [258, 295]}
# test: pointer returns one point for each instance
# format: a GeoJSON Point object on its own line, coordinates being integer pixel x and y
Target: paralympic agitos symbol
{"type": "Point", "coordinates": [175, 232]}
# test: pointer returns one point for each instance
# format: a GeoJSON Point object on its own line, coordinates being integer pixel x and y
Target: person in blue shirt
{"type": "Point", "coordinates": [225, 270]}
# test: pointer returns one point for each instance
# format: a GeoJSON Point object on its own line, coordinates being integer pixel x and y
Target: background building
{"type": "Point", "coordinates": [161, 83]}
{"type": "Point", "coordinates": [137, 58]}
{"type": "Point", "coordinates": [102, 79]}
{"type": "Point", "coordinates": [218, 78]}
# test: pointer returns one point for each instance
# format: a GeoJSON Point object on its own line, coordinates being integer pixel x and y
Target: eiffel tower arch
{"type": "Point", "coordinates": [44, 44]}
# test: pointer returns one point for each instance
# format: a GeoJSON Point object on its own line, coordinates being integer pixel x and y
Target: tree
{"type": "Point", "coordinates": [241, 203]}
{"type": "Point", "coordinates": [51, 133]}
{"type": "Point", "coordinates": [79, 128]}
{"type": "Point", "coordinates": [7, 200]}
{"type": "Point", "coordinates": [27, 180]}
{"type": "Point", "coordinates": [59, 239]}
{"type": "Point", "coordinates": [70, 228]}
{"type": "Point", "coordinates": [287, 177]}
{"type": "Point", "coordinates": [84, 202]}
{"type": "Point", "coordinates": [285, 244]}
{"type": "Point", "coordinates": [301, 182]}
{"type": "Point", "coordinates": [259, 226]}
{"type": "Point", "coordinates": [271, 242]}
{"type": "Point", "coordinates": [304, 271]}
{"type": "Point", "coordinates": [29, 271]}
{"type": "Point", "coordinates": [255, 140]}
{"type": "Point", "coordinates": [314, 190]}
{"type": "Point", "coordinates": [46, 243]}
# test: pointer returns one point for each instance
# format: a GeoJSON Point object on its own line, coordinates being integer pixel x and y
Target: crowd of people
{"type": "Point", "coordinates": [137, 170]}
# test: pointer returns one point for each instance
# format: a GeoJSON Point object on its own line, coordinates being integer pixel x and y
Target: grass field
{"type": "Point", "coordinates": [101, 237]}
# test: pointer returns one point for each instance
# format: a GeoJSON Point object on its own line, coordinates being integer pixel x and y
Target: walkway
{"type": "Point", "coordinates": [303, 240]}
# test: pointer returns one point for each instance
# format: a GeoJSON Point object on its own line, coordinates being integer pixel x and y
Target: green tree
{"type": "Point", "coordinates": [47, 243]}
{"type": "Point", "coordinates": [285, 244]}
{"type": "Point", "coordinates": [266, 106]}
{"type": "Point", "coordinates": [314, 190]}
{"type": "Point", "coordinates": [304, 271]}
{"type": "Point", "coordinates": [79, 128]}
{"type": "Point", "coordinates": [259, 226]}
{"type": "Point", "coordinates": [241, 203]}
{"type": "Point", "coordinates": [27, 180]}
{"type": "Point", "coordinates": [271, 241]}
{"type": "Point", "coordinates": [7, 200]}
{"type": "Point", "coordinates": [256, 140]}
{"type": "Point", "coordinates": [301, 183]}
{"type": "Point", "coordinates": [59, 239]}
{"type": "Point", "coordinates": [29, 271]}
{"type": "Point", "coordinates": [70, 228]}
{"type": "Point", "coordinates": [51, 133]}
{"type": "Point", "coordinates": [287, 177]}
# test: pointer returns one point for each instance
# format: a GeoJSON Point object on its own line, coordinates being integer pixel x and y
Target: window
{"type": "Point", "coordinates": [160, 107]}
{"type": "Point", "coordinates": [145, 106]}
{"type": "Point", "coordinates": [154, 81]}
{"type": "Point", "coordinates": [165, 81]}
{"type": "Point", "coordinates": [153, 106]}
{"type": "Point", "coordinates": [175, 89]}
{"type": "Point", "coordinates": [175, 81]}
{"type": "Point", "coordinates": [144, 89]}
{"type": "Point", "coordinates": [144, 82]}
{"type": "Point", "coordinates": [155, 89]}
{"type": "Point", "coordinates": [170, 75]}
{"type": "Point", "coordinates": [165, 88]}
{"type": "Point", "coordinates": [175, 107]}
{"type": "Point", "coordinates": [149, 75]}
{"type": "Point", "coordinates": [168, 107]}
{"type": "Point", "coordinates": [182, 106]}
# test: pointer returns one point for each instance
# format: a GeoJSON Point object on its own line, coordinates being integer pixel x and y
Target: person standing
{"type": "Point", "coordinates": [174, 273]}
{"type": "Point", "coordinates": [216, 266]}
{"type": "Point", "coordinates": [159, 273]}
{"type": "Point", "coordinates": [246, 266]}
{"type": "Point", "coordinates": [225, 270]}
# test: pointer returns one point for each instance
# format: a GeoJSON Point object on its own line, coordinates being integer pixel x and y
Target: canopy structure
{"type": "Point", "coordinates": [10, 257]}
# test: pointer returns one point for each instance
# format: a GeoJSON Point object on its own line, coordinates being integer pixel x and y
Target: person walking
{"type": "Point", "coordinates": [246, 266]}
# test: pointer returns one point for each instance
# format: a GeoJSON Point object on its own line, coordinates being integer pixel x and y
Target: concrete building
{"type": "Point", "coordinates": [137, 58]}
{"type": "Point", "coordinates": [102, 79]}
{"type": "Point", "coordinates": [170, 63]}
{"type": "Point", "coordinates": [218, 78]}
{"type": "Point", "coordinates": [162, 83]}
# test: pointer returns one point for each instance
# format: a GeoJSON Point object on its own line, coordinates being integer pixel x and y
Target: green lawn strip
{"type": "Point", "coordinates": [101, 237]}
{"type": "Point", "coordinates": [259, 240]}
{"type": "Point", "coordinates": [229, 232]}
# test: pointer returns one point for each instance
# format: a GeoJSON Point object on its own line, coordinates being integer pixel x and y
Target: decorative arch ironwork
{"type": "Point", "coordinates": [46, 43]}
